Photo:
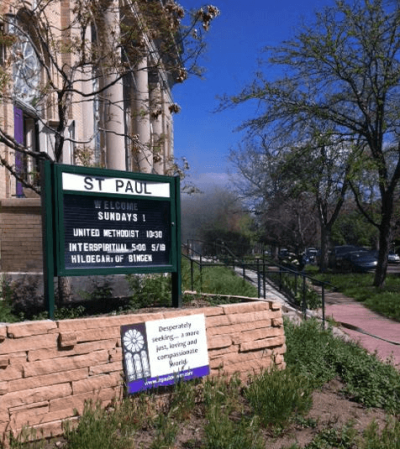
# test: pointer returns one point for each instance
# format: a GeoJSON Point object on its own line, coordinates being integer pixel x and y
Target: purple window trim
{"type": "Point", "coordinates": [20, 138]}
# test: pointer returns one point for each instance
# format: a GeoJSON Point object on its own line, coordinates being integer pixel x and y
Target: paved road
{"type": "Point", "coordinates": [393, 268]}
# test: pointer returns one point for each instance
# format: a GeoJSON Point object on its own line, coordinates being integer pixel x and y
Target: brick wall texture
{"type": "Point", "coordinates": [21, 235]}
{"type": "Point", "coordinates": [48, 369]}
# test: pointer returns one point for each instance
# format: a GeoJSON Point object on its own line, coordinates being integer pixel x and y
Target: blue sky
{"type": "Point", "coordinates": [234, 43]}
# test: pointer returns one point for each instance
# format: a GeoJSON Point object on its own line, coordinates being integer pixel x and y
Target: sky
{"type": "Point", "coordinates": [235, 40]}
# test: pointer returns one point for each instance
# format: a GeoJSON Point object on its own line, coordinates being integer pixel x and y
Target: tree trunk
{"type": "Point", "coordinates": [325, 240]}
{"type": "Point", "coordinates": [384, 246]}
{"type": "Point", "coordinates": [385, 237]}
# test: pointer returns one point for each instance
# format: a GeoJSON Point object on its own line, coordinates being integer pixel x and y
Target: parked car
{"type": "Point", "coordinates": [283, 254]}
{"type": "Point", "coordinates": [337, 254]}
{"type": "Point", "coordinates": [360, 261]}
{"type": "Point", "coordinates": [311, 255]}
{"type": "Point", "coordinates": [393, 257]}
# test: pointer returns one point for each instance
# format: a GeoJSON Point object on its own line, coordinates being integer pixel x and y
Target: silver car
{"type": "Point", "coordinates": [393, 257]}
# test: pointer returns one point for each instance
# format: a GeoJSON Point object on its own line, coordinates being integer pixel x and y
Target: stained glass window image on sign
{"type": "Point", "coordinates": [136, 355]}
{"type": "Point", "coordinates": [101, 232]}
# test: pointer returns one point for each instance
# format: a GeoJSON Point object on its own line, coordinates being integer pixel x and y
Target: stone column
{"type": "Point", "coordinates": [158, 138]}
{"type": "Point", "coordinates": [145, 155]}
{"type": "Point", "coordinates": [114, 99]}
{"type": "Point", "coordinates": [168, 130]}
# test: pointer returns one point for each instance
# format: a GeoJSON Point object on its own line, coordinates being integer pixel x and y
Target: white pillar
{"type": "Point", "coordinates": [145, 155]}
{"type": "Point", "coordinates": [168, 131]}
{"type": "Point", "coordinates": [114, 99]}
{"type": "Point", "coordinates": [158, 138]}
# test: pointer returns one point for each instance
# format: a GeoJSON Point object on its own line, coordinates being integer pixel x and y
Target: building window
{"type": "Point", "coordinates": [25, 133]}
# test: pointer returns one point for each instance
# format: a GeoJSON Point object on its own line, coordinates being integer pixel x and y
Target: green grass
{"type": "Point", "coordinates": [150, 290]}
{"type": "Point", "coordinates": [388, 438]}
{"type": "Point", "coordinates": [385, 301]}
{"type": "Point", "coordinates": [320, 357]}
{"type": "Point", "coordinates": [154, 290]}
{"type": "Point", "coordinates": [215, 279]}
{"type": "Point", "coordinates": [277, 396]}
{"type": "Point", "coordinates": [346, 437]}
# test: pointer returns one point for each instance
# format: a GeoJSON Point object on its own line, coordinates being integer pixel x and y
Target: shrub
{"type": "Point", "coordinates": [320, 357]}
{"type": "Point", "coordinates": [149, 290]}
{"type": "Point", "coordinates": [22, 298]}
{"type": "Point", "coordinates": [222, 432]}
{"type": "Point", "coordinates": [277, 396]}
{"type": "Point", "coordinates": [6, 311]}
{"type": "Point", "coordinates": [97, 429]}
{"type": "Point", "coordinates": [388, 438]}
{"type": "Point", "coordinates": [227, 427]}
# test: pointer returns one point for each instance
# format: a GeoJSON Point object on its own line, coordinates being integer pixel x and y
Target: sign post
{"type": "Point", "coordinates": [47, 236]}
{"type": "Point", "coordinates": [101, 222]}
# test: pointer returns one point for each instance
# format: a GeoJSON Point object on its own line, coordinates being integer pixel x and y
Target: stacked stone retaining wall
{"type": "Point", "coordinates": [48, 369]}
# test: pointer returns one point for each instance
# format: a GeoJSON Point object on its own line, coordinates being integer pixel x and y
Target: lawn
{"type": "Point", "coordinates": [153, 290]}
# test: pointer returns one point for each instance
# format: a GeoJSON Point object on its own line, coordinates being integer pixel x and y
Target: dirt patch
{"type": "Point", "coordinates": [330, 410]}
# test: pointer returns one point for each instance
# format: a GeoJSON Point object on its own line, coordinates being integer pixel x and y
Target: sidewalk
{"type": "Point", "coordinates": [355, 314]}
{"type": "Point", "coordinates": [375, 332]}
{"type": "Point", "coordinates": [349, 312]}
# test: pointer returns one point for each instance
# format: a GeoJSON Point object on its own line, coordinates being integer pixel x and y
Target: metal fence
{"type": "Point", "coordinates": [301, 290]}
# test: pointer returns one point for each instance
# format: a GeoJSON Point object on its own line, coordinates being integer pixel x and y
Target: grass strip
{"type": "Point", "coordinates": [385, 301]}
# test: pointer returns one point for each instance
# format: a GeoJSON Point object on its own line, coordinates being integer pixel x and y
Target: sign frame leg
{"type": "Point", "coordinates": [176, 277]}
{"type": "Point", "coordinates": [47, 236]}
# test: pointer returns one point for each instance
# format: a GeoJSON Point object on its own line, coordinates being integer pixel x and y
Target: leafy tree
{"type": "Point", "coordinates": [342, 71]}
{"type": "Point", "coordinates": [351, 228]}
{"type": "Point", "coordinates": [321, 165]}
{"type": "Point", "coordinates": [260, 183]}
{"type": "Point", "coordinates": [213, 218]}
{"type": "Point", "coordinates": [297, 188]}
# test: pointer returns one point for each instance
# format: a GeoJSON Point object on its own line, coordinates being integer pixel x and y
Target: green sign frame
{"type": "Point", "coordinates": [69, 191]}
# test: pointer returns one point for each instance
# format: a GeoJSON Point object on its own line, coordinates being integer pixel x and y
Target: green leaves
{"type": "Point", "coordinates": [321, 357]}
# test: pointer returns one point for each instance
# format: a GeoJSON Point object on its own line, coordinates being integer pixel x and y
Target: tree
{"type": "Point", "coordinates": [298, 186]}
{"type": "Point", "coordinates": [322, 166]}
{"type": "Point", "coordinates": [351, 228]}
{"type": "Point", "coordinates": [216, 217]}
{"type": "Point", "coordinates": [260, 180]}
{"type": "Point", "coordinates": [343, 71]}
{"type": "Point", "coordinates": [82, 52]}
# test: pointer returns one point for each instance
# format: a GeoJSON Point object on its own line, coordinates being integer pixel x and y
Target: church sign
{"type": "Point", "coordinates": [100, 222]}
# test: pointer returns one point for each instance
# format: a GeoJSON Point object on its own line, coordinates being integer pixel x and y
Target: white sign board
{"type": "Point", "coordinates": [121, 186]}
{"type": "Point", "coordinates": [161, 352]}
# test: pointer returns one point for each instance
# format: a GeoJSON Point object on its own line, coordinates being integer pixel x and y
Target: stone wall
{"type": "Point", "coordinates": [21, 235]}
{"type": "Point", "coordinates": [48, 369]}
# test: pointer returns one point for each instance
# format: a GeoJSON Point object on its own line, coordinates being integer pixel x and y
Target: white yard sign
{"type": "Point", "coordinates": [161, 352]}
